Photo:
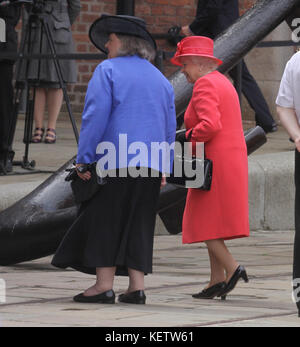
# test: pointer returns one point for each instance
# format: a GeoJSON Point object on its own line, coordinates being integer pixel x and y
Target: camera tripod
{"type": "Point", "coordinates": [36, 17]}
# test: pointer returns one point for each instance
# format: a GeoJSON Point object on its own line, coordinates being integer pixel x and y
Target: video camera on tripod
{"type": "Point", "coordinates": [38, 20]}
{"type": "Point", "coordinates": [37, 5]}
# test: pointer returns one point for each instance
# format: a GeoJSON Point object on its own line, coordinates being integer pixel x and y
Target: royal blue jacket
{"type": "Point", "coordinates": [130, 105]}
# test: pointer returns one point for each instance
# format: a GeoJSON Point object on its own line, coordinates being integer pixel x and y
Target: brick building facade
{"type": "Point", "coordinates": [159, 15]}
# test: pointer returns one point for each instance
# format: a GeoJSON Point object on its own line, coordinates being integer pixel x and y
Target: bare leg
{"type": "Point", "coordinates": [223, 256]}
{"type": "Point", "coordinates": [39, 106]}
{"type": "Point", "coordinates": [136, 280]}
{"type": "Point", "coordinates": [54, 101]}
{"type": "Point", "coordinates": [104, 282]}
{"type": "Point", "coordinates": [217, 270]}
{"type": "Point", "coordinates": [39, 111]}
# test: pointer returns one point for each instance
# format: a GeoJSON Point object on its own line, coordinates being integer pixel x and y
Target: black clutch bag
{"type": "Point", "coordinates": [191, 182]}
{"type": "Point", "coordinates": [85, 190]}
{"type": "Point", "coordinates": [186, 181]}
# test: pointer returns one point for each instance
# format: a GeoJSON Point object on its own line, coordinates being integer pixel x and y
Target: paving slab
{"type": "Point", "coordinates": [38, 294]}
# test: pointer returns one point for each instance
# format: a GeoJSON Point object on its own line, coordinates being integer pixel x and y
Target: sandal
{"type": "Point", "coordinates": [50, 136]}
{"type": "Point", "coordinates": [38, 135]}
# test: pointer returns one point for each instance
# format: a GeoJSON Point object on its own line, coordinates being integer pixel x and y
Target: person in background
{"type": "Point", "coordinates": [213, 117]}
{"type": "Point", "coordinates": [11, 15]}
{"type": "Point", "coordinates": [62, 14]}
{"type": "Point", "coordinates": [212, 18]}
{"type": "Point", "coordinates": [113, 234]}
{"type": "Point", "coordinates": [288, 108]}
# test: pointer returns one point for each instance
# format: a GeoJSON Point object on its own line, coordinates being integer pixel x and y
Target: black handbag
{"type": "Point", "coordinates": [84, 190]}
{"type": "Point", "coordinates": [185, 181]}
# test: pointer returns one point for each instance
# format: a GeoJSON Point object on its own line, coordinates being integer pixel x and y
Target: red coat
{"type": "Point", "coordinates": [215, 116]}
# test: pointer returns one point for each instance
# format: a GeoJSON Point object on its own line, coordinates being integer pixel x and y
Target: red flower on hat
{"type": "Point", "coordinates": [179, 46]}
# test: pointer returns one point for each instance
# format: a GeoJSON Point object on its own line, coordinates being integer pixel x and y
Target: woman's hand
{"type": "Point", "coordinates": [84, 176]}
{"type": "Point", "coordinates": [297, 143]}
{"type": "Point", "coordinates": [186, 31]}
{"type": "Point", "coordinates": [289, 121]}
{"type": "Point", "coordinates": [163, 181]}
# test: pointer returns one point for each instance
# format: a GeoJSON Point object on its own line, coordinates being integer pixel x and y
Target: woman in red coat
{"type": "Point", "coordinates": [214, 117]}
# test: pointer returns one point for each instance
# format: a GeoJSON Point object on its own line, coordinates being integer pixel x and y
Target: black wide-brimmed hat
{"type": "Point", "coordinates": [126, 25]}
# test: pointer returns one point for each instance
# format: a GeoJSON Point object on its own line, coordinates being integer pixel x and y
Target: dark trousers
{"type": "Point", "coordinates": [296, 267]}
{"type": "Point", "coordinates": [6, 106]}
{"type": "Point", "coordinates": [255, 98]}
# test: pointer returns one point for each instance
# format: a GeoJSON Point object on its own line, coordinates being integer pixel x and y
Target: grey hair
{"type": "Point", "coordinates": [133, 45]}
{"type": "Point", "coordinates": [209, 63]}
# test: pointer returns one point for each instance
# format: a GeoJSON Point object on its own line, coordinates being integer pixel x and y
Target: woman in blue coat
{"type": "Point", "coordinates": [130, 106]}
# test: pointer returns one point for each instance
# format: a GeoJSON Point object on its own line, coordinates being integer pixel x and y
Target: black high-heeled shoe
{"type": "Point", "coordinates": [211, 292]}
{"type": "Point", "coordinates": [239, 273]}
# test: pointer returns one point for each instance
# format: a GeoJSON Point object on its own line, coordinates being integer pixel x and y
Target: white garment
{"type": "Point", "coordinates": [289, 90]}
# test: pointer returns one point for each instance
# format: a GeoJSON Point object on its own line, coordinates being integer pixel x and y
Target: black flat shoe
{"type": "Point", "coordinates": [239, 273]}
{"type": "Point", "coordinates": [107, 297]}
{"type": "Point", "coordinates": [274, 128]}
{"type": "Point", "coordinates": [211, 292]}
{"type": "Point", "coordinates": [271, 129]}
{"type": "Point", "coordinates": [137, 297]}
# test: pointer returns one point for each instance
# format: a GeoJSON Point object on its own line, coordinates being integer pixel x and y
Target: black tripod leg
{"type": "Point", "coordinates": [31, 92]}
{"type": "Point", "coordinates": [28, 126]}
{"type": "Point", "coordinates": [26, 164]}
{"type": "Point", "coordinates": [6, 110]}
{"type": "Point", "coordinates": [14, 119]}
{"type": "Point", "coordinates": [19, 87]}
{"type": "Point", "coordinates": [60, 76]}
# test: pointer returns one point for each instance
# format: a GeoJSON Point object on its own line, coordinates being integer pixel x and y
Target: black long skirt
{"type": "Point", "coordinates": [115, 228]}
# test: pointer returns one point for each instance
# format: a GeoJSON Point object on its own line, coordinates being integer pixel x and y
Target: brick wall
{"type": "Point", "coordinates": [245, 5]}
{"type": "Point", "coordinates": [160, 15]}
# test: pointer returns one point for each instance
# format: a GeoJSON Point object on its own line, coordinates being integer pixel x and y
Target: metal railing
{"type": "Point", "coordinates": [161, 56]}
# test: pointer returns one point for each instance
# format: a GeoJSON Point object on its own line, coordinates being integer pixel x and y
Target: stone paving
{"type": "Point", "coordinates": [39, 295]}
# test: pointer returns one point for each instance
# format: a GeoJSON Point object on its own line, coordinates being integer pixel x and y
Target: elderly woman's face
{"type": "Point", "coordinates": [113, 45]}
{"type": "Point", "coordinates": [193, 70]}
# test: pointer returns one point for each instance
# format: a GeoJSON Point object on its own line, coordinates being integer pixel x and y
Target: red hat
{"type": "Point", "coordinates": [199, 46]}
